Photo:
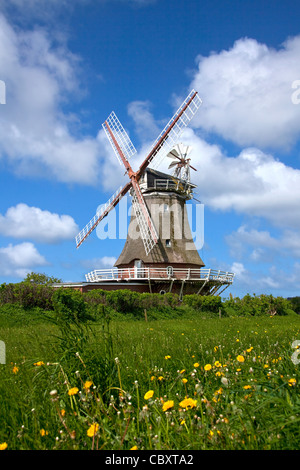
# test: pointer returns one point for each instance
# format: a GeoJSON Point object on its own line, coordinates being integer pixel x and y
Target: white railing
{"type": "Point", "coordinates": [168, 273]}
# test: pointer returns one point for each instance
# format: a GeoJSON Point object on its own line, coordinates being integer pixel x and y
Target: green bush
{"type": "Point", "coordinates": [257, 306]}
{"type": "Point", "coordinates": [27, 295]}
{"type": "Point", "coordinates": [202, 303]}
{"type": "Point", "coordinates": [69, 305]}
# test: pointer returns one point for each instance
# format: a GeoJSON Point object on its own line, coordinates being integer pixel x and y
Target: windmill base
{"type": "Point", "coordinates": [181, 282]}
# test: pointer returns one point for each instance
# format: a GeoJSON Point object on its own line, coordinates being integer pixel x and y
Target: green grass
{"type": "Point", "coordinates": [110, 366]}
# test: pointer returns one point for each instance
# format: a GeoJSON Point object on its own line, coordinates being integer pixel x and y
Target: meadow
{"type": "Point", "coordinates": [185, 383]}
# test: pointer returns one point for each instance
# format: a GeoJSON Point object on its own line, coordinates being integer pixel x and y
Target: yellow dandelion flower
{"type": "Point", "coordinates": [182, 371]}
{"type": "Point", "coordinates": [240, 358]}
{"type": "Point", "coordinates": [88, 384]}
{"type": "Point", "coordinates": [160, 378]}
{"type": "Point", "coordinates": [292, 382]}
{"type": "Point", "coordinates": [184, 381]}
{"type": "Point", "coordinates": [207, 367]}
{"type": "Point", "coordinates": [247, 387]}
{"type": "Point", "coordinates": [188, 403]}
{"type": "Point", "coordinates": [167, 405]}
{"type": "Point", "coordinates": [134, 448]}
{"type": "Point", "coordinates": [196, 364]}
{"type": "Point", "coordinates": [62, 412]}
{"type": "Point", "coordinates": [43, 432]}
{"type": "Point", "coordinates": [15, 370]}
{"type": "Point", "coordinates": [152, 378]}
{"type": "Point", "coordinates": [73, 391]}
{"type": "Point", "coordinates": [92, 429]}
{"type": "Point", "coordinates": [39, 363]}
{"type": "Point", "coordinates": [218, 364]}
{"type": "Point", "coordinates": [149, 395]}
{"type": "Point", "coordinates": [3, 446]}
{"type": "Point", "coordinates": [167, 357]}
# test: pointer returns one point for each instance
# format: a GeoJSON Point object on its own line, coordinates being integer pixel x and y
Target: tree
{"type": "Point", "coordinates": [41, 279]}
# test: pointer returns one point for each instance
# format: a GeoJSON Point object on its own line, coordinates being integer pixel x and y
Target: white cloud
{"type": "Point", "coordinates": [35, 134]}
{"type": "Point", "coordinates": [33, 223]}
{"type": "Point", "coordinates": [262, 245]}
{"type": "Point", "coordinates": [99, 263]}
{"type": "Point", "coordinates": [247, 93]}
{"type": "Point", "coordinates": [18, 260]}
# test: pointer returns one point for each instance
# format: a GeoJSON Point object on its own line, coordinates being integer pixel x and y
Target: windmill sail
{"type": "Point", "coordinates": [120, 136]}
{"type": "Point", "coordinates": [168, 138]}
{"type": "Point", "coordinates": [147, 229]}
{"type": "Point", "coordinates": [124, 149]}
{"type": "Point", "coordinates": [103, 211]}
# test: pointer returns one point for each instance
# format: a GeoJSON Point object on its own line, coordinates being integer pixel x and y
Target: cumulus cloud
{"type": "Point", "coordinates": [18, 260]}
{"type": "Point", "coordinates": [261, 246]}
{"type": "Point", "coordinates": [247, 93]}
{"type": "Point", "coordinates": [252, 183]}
{"type": "Point", "coordinates": [35, 134]}
{"type": "Point", "coordinates": [99, 263]}
{"type": "Point", "coordinates": [33, 223]}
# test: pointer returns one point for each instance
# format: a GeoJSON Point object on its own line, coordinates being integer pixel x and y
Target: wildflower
{"type": "Point", "coordinates": [167, 357]}
{"type": "Point", "coordinates": [250, 349]}
{"type": "Point", "coordinates": [240, 358]}
{"type": "Point", "coordinates": [196, 364]}
{"type": "Point", "coordinates": [247, 387]}
{"type": "Point", "coordinates": [43, 432]}
{"type": "Point", "coordinates": [3, 446]}
{"type": "Point", "coordinates": [216, 348]}
{"type": "Point", "coordinates": [188, 403]}
{"type": "Point", "coordinates": [182, 371]}
{"type": "Point", "coordinates": [62, 412]}
{"type": "Point", "coordinates": [207, 367]}
{"type": "Point", "coordinates": [73, 391]}
{"type": "Point", "coordinates": [92, 429]}
{"type": "Point", "coordinates": [224, 381]}
{"type": "Point", "coordinates": [292, 382]}
{"type": "Point", "coordinates": [134, 448]}
{"type": "Point", "coordinates": [39, 363]}
{"type": "Point", "coordinates": [88, 384]}
{"type": "Point", "coordinates": [160, 378]}
{"type": "Point", "coordinates": [218, 364]}
{"type": "Point", "coordinates": [167, 405]}
{"type": "Point", "coordinates": [15, 370]}
{"type": "Point", "coordinates": [152, 378]}
{"type": "Point", "coordinates": [184, 381]}
{"type": "Point", "coordinates": [149, 394]}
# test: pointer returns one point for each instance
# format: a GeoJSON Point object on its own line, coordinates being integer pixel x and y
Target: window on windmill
{"type": "Point", "coordinates": [168, 242]}
{"type": "Point", "coordinates": [166, 207]}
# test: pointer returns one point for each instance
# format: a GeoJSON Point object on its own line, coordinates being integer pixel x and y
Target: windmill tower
{"type": "Point", "coordinates": [159, 254]}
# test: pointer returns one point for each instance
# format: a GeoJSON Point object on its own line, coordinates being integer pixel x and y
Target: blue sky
{"type": "Point", "coordinates": [67, 64]}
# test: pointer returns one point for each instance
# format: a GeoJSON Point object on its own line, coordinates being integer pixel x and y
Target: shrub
{"type": "Point", "coordinates": [204, 303]}
{"type": "Point", "coordinates": [69, 305]}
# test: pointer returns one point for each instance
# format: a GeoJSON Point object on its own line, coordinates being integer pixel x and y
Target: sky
{"type": "Point", "coordinates": [65, 65]}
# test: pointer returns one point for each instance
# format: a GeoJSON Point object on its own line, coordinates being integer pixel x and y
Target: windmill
{"type": "Point", "coordinates": [124, 150]}
{"type": "Point", "coordinates": [155, 262]}
{"type": "Point", "coordinates": [181, 163]}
